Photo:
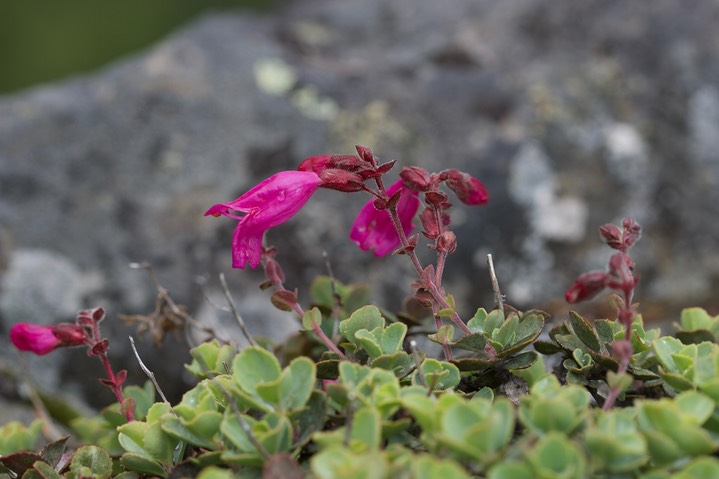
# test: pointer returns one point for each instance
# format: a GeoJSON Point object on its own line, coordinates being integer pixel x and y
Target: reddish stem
{"type": "Point", "coordinates": [315, 327]}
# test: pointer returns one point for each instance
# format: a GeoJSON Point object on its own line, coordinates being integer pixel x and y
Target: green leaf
{"type": "Point", "coordinates": [437, 374]}
{"type": "Point", "coordinates": [619, 381]}
{"type": "Point", "coordinates": [93, 458]}
{"type": "Point", "coordinates": [529, 328]}
{"type": "Point", "coordinates": [254, 366]}
{"type": "Point", "coordinates": [45, 471]}
{"type": "Point", "coordinates": [511, 470]}
{"type": "Point", "coordinates": [476, 324]}
{"type": "Point", "coordinates": [310, 318]}
{"type": "Point", "coordinates": [422, 408]}
{"type": "Point", "coordinates": [366, 427]}
{"type": "Point", "coordinates": [494, 320]}
{"type": "Point", "coordinates": [504, 335]}
{"type": "Point", "coordinates": [695, 318]}
{"type": "Point", "coordinates": [52, 453]}
{"type": "Point", "coordinates": [321, 291]}
{"type": "Point", "coordinates": [369, 342]}
{"type": "Point", "coordinates": [393, 337]}
{"type": "Point", "coordinates": [556, 456]}
{"type": "Point", "coordinates": [142, 464]}
{"type": "Point", "coordinates": [584, 331]}
{"type": "Point", "coordinates": [695, 406]}
{"type": "Point", "coordinates": [367, 317]}
{"type": "Point", "coordinates": [297, 383]}
{"type": "Point", "coordinates": [172, 426]}
{"type": "Point", "coordinates": [522, 360]}
{"type": "Point", "coordinates": [444, 335]}
{"type": "Point", "coordinates": [400, 363]}
{"type": "Point", "coordinates": [214, 472]}
{"type": "Point", "coordinates": [700, 468]}
{"type": "Point", "coordinates": [431, 467]}
{"type": "Point", "coordinates": [475, 342]}
{"type": "Point", "coordinates": [664, 348]}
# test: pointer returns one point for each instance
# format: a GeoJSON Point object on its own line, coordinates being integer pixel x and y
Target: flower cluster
{"type": "Point", "coordinates": [620, 272]}
{"type": "Point", "coordinates": [281, 196]}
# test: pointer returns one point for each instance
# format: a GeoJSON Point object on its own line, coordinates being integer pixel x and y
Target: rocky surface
{"type": "Point", "coordinates": [573, 114]}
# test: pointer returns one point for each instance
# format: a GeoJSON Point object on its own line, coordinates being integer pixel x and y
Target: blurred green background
{"type": "Point", "coordinates": [45, 40]}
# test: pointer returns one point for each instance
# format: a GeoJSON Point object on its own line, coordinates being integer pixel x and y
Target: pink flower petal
{"type": "Point", "coordinates": [373, 229]}
{"type": "Point", "coordinates": [272, 202]}
{"type": "Point", "coordinates": [35, 338]}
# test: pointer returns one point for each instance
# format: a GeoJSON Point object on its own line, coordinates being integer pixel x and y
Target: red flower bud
{"type": "Point", "coordinates": [468, 189]}
{"type": "Point", "coordinates": [366, 154]}
{"type": "Point", "coordinates": [632, 232]}
{"type": "Point", "coordinates": [447, 242]}
{"type": "Point", "coordinates": [437, 199]}
{"type": "Point", "coordinates": [346, 162]}
{"type": "Point", "coordinates": [70, 334]}
{"type": "Point", "coordinates": [586, 287]}
{"type": "Point", "coordinates": [612, 235]}
{"type": "Point", "coordinates": [416, 178]}
{"type": "Point", "coordinates": [429, 224]}
{"type": "Point", "coordinates": [341, 180]}
{"type": "Point", "coordinates": [620, 275]}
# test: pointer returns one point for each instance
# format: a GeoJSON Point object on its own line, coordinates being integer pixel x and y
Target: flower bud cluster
{"type": "Point", "coordinates": [620, 272]}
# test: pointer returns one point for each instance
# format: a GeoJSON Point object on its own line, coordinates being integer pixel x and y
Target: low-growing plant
{"type": "Point", "coordinates": [351, 395]}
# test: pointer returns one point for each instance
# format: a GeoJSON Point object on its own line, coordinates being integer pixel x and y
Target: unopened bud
{"type": "Point", "coordinates": [416, 178]}
{"type": "Point", "coordinates": [447, 242]}
{"type": "Point", "coordinates": [429, 224]}
{"type": "Point", "coordinates": [612, 235]}
{"type": "Point", "coordinates": [346, 162]}
{"type": "Point", "coordinates": [341, 180]}
{"type": "Point", "coordinates": [620, 275]}
{"type": "Point", "coordinates": [69, 334]}
{"type": "Point", "coordinates": [586, 287]}
{"type": "Point", "coordinates": [366, 154]}
{"type": "Point", "coordinates": [437, 199]}
{"type": "Point", "coordinates": [632, 231]}
{"type": "Point", "coordinates": [468, 189]}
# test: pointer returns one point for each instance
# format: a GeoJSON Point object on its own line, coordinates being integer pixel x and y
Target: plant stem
{"type": "Point", "coordinates": [315, 327]}
{"type": "Point", "coordinates": [117, 389]}
{"type": "Point", "coordinates": [434, 289]}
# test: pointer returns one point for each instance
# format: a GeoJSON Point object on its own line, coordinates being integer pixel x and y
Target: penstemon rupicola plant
{"type": "Point", "coordinates": [384, 225]}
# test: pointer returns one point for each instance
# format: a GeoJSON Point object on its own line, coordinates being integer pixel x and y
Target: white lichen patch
{"type": "Point", "coordinates": [274, 76]}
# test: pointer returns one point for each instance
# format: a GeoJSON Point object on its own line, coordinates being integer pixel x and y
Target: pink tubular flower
{"type": "Point", "coordinates": [270, 203]}
{"type": "Point", "coordinates": [40, 339]}
{"type": "Point", "coordinates": [35, 338]}
{"type": "Point", "coordinates": [373, 228]}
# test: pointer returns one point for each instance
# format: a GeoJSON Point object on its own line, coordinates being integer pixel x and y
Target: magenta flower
{"type": "Point", "coordinates": [35, 338]}
{"type": "Point", "coordinates": [373, 228]}
{"type": "Point", "coordinates": [270, 203]}
{"type": "Point", "coordinates": [40, 339]}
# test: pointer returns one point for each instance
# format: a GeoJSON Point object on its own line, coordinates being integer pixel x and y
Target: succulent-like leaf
{"type": "Point", "coordinates": [521, 361]}
{"type": "Point", "coordinates": [584, 331]}
{"type": "Point", "coordinates": [367, 317]}
{"type": "Point", "coordinates": [254, 366]}
{"type": "Point", "coordinates": [95, 459]}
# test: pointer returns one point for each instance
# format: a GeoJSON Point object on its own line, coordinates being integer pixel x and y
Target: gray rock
{"type": "Point", "coordinates": [573, 113]}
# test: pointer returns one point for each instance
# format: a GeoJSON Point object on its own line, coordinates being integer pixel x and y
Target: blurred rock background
{"type": "Point", "coordinates": [572, 113]}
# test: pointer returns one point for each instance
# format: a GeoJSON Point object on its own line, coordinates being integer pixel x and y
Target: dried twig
{"type": "Point", "coordinates": [149, 373]}
{"type": "Point", "coordinates": [236, 313]}
{"type": "Point", "coordinates": [495, 285]}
